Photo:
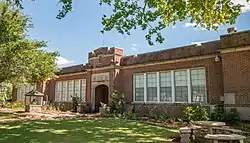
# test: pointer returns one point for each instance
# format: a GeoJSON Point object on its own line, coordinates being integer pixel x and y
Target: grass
{"type": "Point", "coordinates": [244, 126]}
{"type": "Point", "coordinates": [83, 130]}
{"type": "Point", "coordinates": [4, 116]}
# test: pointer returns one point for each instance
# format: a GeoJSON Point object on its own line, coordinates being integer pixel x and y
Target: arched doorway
{"type": "Point", "coordinates": [101, 95]}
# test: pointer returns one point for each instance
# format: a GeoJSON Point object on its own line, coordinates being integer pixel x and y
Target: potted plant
{"type": "Point", "coordinates": [77, 104]}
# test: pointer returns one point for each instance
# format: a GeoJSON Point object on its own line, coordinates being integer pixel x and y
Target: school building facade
{"type": "Point", "coordinates": [162, 81]}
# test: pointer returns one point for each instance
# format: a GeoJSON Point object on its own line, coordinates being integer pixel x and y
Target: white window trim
{"type": "Point", "coordinates": [173, 87]}
{"type": "Point", "coordinates": [83, 89]}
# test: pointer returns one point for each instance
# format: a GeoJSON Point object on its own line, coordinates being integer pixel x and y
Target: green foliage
{"type": "Point", "coordinates": [76, 100]}
{"type": "Point", "coordinates": [219, 113]}
{"type": "Point", "coordinates": [117, 102]}
{"type": "Point", "coordinates": [22, 60]}
{"type": "Point", "coordinates": [6, 94]}
{"type": "Point", "coordinates": [188, 113]}
{"type": "Point", "coordinates": [155, 15]}
{"type": "Point", "coordinates": [15, 105]}
{"type": "Point", "coordinates": [197, 113]}
{"type": "Point", "coordinates": [233, 115]}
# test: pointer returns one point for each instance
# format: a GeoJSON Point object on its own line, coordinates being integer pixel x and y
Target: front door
{"type": "Point", "coordinates": [101, 95]}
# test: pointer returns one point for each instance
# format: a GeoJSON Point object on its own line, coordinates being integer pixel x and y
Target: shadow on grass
{"type": "Point", "coordinates": [4, 116]}
{"type": "Point", "coordinates": [81, 130]}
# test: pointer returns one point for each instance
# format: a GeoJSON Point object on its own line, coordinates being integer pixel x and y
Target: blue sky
{"type": "Point", "coordinates": [79, 33]}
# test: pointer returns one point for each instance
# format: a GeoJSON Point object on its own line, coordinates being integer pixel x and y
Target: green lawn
{"type": "Point", "coordinates": [244, 126]}
{"type": "Point", "coordinates": [4, 116]}
{"type": "Point", "coordinates": [82, 130]}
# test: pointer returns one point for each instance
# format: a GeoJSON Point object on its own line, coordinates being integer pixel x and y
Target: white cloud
{"type": "Point", "coordinates": [134, 45]}
{"type": "Point", "coordinates": [244, 3]}
{"type": "Point", "coordinates": [61, 61]}
{"type": "Point", "coordinates": [134, 49]}
{"type": "Point", "coordinates": [197, 26]}
{"type": "Point", "coordinates": [188, 24]}
{"type": "Point", "coordinates": [199, 43]}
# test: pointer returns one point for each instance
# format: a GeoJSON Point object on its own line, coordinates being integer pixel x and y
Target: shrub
{"type": "Point", "coordinates": [117, 102]}
{"type": "Point", "coordinates": [76, 100]}
{"type": "Point", "coordinates": [15, 105]}
{"type": "Point", "coordinates": [188, 113]}
{"type": "Point", "coordinates": [219, 113]}
{"type": "Point", "coordinates": [197, 113]}
{"type": "Point", "coordinates": [233, 115]}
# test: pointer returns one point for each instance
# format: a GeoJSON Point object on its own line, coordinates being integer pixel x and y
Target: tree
{"type": "Point", "coordinates": [156, 15]}
{"type": "Point", "coordinates": [21, 59]}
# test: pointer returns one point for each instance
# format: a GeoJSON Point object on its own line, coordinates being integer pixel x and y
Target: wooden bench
{"type": "Point", "coordinates": [231, 131]}
{"type": "Point", "coordinates": [222, 137]}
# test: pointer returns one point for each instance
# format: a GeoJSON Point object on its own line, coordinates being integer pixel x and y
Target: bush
{"type": "Point", "coordinates": [76, 100]}
{"type": "Point", "coordinates": [219, 113]}
{"type": "Point", "coordinates": [233, 115]}
{"type": "Point", "coordinates": [15, 105]}
{"type": "Point", "coordinates": [197, 113]}
{"type": "Point", "coordinates": [117, 102]}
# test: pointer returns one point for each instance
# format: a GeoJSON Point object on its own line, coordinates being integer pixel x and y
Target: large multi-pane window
{"type": "Point", "coordinates": [70, 89]}
{"type": "Point", "coordinates": [82, 90]}
{"type": "Point", "coordinates": [198, 82]}
{"type": "Point", "coordinates": [165, 87]}
{"type": "Point", "coordinates": [151, 87]}
{"type": "Point", "coordinates": [66, 89]}
{"type": "Point", "coordinates": [139, 87]}
{"type": "Point", "coordinates": [183, 86]}
{"type": "Point", "coordinates": [21, 91]}
{"type": "Point", "coordinates": [77, 87]}
{"type": "Point", "coordinates": [58, 91]}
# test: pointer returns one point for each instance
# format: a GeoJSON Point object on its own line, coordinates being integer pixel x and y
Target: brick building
{"type": "Point", "coordinates": [163, 81]}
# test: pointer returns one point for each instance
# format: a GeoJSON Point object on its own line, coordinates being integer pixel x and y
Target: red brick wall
{"type": "Point", "coordinates": [236, 75]}
{"type": "Point", "coordinates": [213, 76]}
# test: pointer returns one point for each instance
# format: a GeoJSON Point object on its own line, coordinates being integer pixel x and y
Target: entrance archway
{"type": "Point", "coordinates": [101, 95]}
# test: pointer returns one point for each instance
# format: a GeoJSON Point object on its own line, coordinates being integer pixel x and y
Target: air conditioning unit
{"type": "Point", "coordinates": [210, 109]}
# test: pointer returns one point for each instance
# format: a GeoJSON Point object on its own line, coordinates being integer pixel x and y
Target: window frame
{"type": "Point", "coordinates": [173, 89]}
{"type": "Point", "coordinates": [82, 89]}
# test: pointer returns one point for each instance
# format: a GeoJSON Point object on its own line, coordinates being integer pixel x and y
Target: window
{"type": "Point", "coordinates": [82, 89]}
{"type": "Point", "coordinates": [58, 91]}
{"type": "Point", "coordinates": [198, 82]}
{"type": "Point", "coordinates": [70, 90]}
{"type": "Point", "coordinates": [77, 88]}
{"type": "Point", "coordinates": [23, 90]}
{"type": "Point", "coordinates": [139, 87]}
{"type": "Point", "coordinates": [165, 87]}
{"type": "Point", "coordinates": [181, 87]}
{"type": "Point", "coordinates": [66, 89]}
{"type": "Point", "coordinates": [151, 87]}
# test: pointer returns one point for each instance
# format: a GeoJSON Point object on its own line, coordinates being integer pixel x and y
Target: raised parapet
{"type": "Point", "coordinates": [106, 51]}
{"type": "Point", "coordinates": [105, 56]}
{"type": "Point", "coordinates": [234, 40]}
{"type": "Point", "coordinates": [207, 48]}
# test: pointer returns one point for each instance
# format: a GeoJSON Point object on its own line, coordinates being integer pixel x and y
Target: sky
{"type": "Point", "coordinates": [79, 32]}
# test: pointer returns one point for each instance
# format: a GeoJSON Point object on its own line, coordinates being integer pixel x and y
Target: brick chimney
{"type": "Point", "coordinates": [231, 30]}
